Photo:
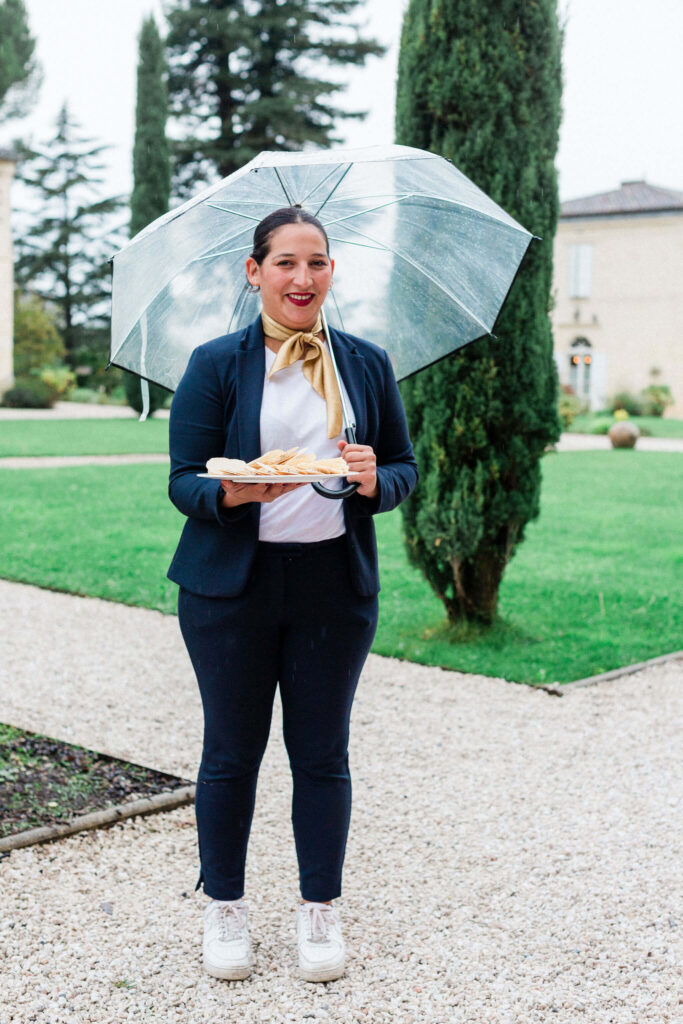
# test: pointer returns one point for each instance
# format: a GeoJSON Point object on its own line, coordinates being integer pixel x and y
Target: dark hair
{"type": "Point", "coordinates": [277, 219]}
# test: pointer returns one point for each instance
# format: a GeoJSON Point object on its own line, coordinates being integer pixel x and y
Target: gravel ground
{"type": "Point", "coordinates": [514, 857]}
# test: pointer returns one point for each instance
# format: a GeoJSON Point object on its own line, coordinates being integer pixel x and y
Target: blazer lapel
{"type": "Point", "coordinates": [250, 371]}
{"type": "Point", "coordinates": [351, 366]}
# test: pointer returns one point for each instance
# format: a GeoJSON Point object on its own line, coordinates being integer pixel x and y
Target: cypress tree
{"type": "Point", "coordinates": [480, 83]}
{"type": "Point", "coordinates": [151, 164]}
{"type": "Point", "coordinates": [19, 70]}
{"type": "Point", "coordinates": [241, 78]}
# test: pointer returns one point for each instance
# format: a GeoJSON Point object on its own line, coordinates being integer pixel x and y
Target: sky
{"type": "Point", "coordinates": [623, 85]}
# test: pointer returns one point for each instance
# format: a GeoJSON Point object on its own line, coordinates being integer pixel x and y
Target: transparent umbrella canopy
{"type": "Point", "coordinates": [424, 258]}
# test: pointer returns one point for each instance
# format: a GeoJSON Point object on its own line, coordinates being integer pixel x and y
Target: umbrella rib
{"type": "Point", "coordinates": [321, 183]}
{"type": "Point", "coordinates": [334, 189]}
{"type": "Point", "coordinates": [378, 246]}
{"type": "Point", "coordinates": [235, 213]}
{"type": "Point", "coordinates": [430, 277]}
{"type": "Point", "coordinates": [373, 209]}
{"type": "Point", "coordinates": [223, 252]}
{"type": "Point", "coordinates": [282, 185]}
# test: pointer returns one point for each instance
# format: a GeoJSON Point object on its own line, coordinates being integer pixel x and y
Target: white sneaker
{"type": "Point", "coordinates": [320, 942]}
{"type": "Point", "coordinates": [227, 947]}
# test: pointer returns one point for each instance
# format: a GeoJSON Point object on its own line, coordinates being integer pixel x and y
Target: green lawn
{"type": "Point", "coordinates": [653, 426]}
{"type": "Point", "coordinates": [595, 586]}
{"type": "Point", "coordinates": [83, 437]}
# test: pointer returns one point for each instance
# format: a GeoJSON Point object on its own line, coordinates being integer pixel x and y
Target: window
{"type": "Point", "coordinates": [580, 362]}
{"type": "Point", "coordinates": [580, 267]}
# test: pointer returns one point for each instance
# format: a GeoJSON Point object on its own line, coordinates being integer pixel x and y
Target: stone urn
{"type": "Point", "coordinates": [623, 434]}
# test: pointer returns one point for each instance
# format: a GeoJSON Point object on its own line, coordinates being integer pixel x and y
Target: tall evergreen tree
{"type": "Point", "coordinates": [480, 83]}
{"type": "Point", "coordinates": [245, 76]}
{"type": "Point", "coordinates": [151, 162]}
{"type": "Point", "coordinates": [19, 69]}
{"type": "Point", "coordinates": [62, 251]}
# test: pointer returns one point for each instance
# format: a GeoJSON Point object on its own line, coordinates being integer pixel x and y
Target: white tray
{"type": "Point", "coordinates": [299, 478]}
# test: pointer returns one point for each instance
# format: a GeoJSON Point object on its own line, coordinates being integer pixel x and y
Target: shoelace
{"type": "Point", "coordinates": [231, 922]}
{"type": "Point", "coordinates": [319, 921]}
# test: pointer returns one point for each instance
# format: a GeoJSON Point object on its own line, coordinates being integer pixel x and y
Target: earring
{"type": "Point", "coordinates": [253, 288]}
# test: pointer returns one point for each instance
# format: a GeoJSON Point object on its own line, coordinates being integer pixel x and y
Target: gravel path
{"type": "Point", "coordinates": [568, 443]}
{"type": "Point", "coordinates": [77, 411]}
{"type": "Point", "coordinates": [599, 442]}
{"type": "Point", "coordinates": [62, 461]}
{"type": "Point", "coordinates": [514, 857]}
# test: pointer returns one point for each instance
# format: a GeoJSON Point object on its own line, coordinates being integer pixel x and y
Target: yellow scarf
{"type": "Point", "coordinates": [317, 368]}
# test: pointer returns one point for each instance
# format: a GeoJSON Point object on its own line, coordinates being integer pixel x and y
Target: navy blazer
{"type": "Point", "coordinates": [216, 411]}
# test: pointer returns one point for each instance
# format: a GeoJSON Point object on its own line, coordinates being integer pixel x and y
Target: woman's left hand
{"type": "Point", "coordinates": [361, 461]}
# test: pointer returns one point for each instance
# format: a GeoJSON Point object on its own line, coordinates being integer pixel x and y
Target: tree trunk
{"type": "Point", "coordinates": [476, 580]}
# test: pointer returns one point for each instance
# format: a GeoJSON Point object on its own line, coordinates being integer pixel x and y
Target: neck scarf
{"type": "Point", "coordinates": [317, 368]}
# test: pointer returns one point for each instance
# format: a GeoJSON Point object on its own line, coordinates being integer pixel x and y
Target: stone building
{"type": "Point", "coordinates": [6, 271]}
{"type": "Point", "coordinates": [618, 288]}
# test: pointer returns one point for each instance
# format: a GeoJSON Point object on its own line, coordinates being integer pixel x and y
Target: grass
{"type": "Point", "coordinates": [595, 586]}
{"type": "Point", "coordinates": [652, 426]}
{"type": "Point", "coordinates": [83, 437]}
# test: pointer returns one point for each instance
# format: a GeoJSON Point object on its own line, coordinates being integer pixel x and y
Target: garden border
{"type": "Point", "coordinates": [97, 819]}
{"type": "Point", "coordinates": [627, 670]}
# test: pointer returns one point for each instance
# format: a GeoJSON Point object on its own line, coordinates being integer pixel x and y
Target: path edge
{"type": "Point", "coordinates": [626, 670]}
{"type": "Point", "coordinates": [96, 819]}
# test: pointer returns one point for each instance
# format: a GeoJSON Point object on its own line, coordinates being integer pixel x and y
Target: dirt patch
{"type": "Point", "coordinates": [44, 781]}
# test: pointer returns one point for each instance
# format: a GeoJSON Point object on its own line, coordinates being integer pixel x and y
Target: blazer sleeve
{"type": "Point", "coordinates": [196, 434]}
{"type": "Point", "coordinates": [397, 472]}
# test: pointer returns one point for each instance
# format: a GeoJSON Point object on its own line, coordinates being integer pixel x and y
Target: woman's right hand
{"type": "Point", "coordinates": [235, 494]}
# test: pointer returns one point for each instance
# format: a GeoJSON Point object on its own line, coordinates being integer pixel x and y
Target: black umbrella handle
{"type": "Point", "coordinates": [350, 433]}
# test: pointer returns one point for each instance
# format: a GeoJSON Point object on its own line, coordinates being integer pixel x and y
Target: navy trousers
{"type": "Point", "coordinates": [300, 623]}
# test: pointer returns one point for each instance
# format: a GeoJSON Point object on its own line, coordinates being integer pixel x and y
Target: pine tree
{"type": "Point", "coordinates": [19, 69]}
{"type": "Point", "coordinates": [480, 83]}
{"type": "Point", "coordinates": [151, 163]}
{"type": "Point", "coordinates": [244, 77]}
{"type": "Point", "coordinates": [62, 254]}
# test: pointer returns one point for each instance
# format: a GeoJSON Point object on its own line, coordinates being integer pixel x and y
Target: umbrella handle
{"type": "Point", "coordinates": [350, 488]}
{"type": "Point", "coordinates": [343, 493]}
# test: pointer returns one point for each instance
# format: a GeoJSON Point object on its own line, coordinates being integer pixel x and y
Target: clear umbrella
{"type": "Point", "coordinates": [424, 258]}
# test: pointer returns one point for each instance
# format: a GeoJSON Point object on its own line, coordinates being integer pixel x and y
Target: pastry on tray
{"type": "Point", "coordinates": [278, 463]}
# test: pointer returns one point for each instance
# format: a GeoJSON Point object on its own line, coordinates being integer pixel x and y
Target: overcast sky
{"type": "Point", "coordinates": [622, 95]}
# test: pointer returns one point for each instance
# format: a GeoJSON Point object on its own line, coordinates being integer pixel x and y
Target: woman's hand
{"type": "Point", "coordinates": [361, 461]}
{"type": "Point", "coordinates": [235, 494]}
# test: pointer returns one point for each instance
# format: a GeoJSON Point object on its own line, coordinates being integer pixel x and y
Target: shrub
{"type": "Point", "coordinates": [602, 424]}
{"type": "Point", "coordinates": [90, 360]}
{"type": "Point", "coordinates": [59, 379]}
{"type": "Point", "coordinates": [625, 400]}
{"type": "Point", "coordinates": [29, 393]}
{"type": "Point", "coordinates": [37, 342]}
{"type": "Point", "coordinates": [656, 399]}
{"type": "Point", "coordinates": [569, 407]}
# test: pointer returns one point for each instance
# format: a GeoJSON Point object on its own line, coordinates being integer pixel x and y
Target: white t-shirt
{"type": "Point", "coordinates": [293, 413]}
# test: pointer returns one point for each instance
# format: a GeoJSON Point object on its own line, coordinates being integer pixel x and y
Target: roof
{"type": "Point", "coordinates": [7, 154]}
{"type": "Point", "coordinates": [630, 197]}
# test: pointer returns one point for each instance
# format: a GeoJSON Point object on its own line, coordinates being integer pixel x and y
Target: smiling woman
{"type": "Point", "coordinates": [278, 585]}
{"type": "Point", "coordinates": [295, 277]}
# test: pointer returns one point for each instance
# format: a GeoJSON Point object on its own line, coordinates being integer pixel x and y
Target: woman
{"type": "Point", "coordinates": [279, 584]}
